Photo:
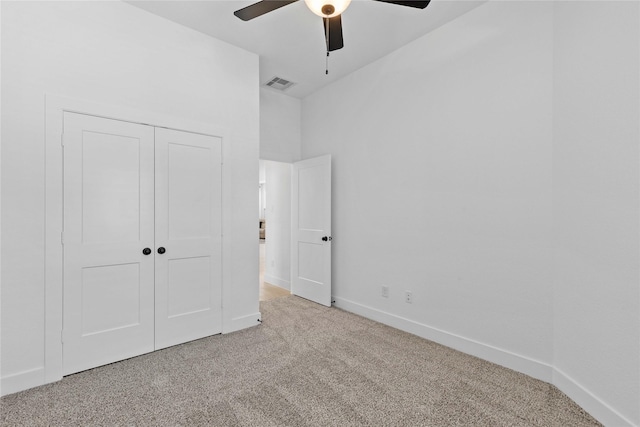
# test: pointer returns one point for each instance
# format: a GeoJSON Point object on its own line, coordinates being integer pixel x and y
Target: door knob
{"type": "Point", "coordinates": [146, 251]}
{"type": "Point", "coordinates": [327, 239]}
{"type": "Point", "coordinates": [161, 250]}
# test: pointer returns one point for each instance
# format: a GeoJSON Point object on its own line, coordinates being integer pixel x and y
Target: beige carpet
{"type": "Point", "coordinates": [306, 365]}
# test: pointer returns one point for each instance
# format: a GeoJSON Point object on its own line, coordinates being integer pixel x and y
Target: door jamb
{"type": "Point", "coordinates": [55, 107]}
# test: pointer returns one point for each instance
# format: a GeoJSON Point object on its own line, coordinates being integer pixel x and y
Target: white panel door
{"type": "Point", "coordinates": [311, 230]}
{"type": "Point", "coordinates": [188, 236]}
{"type": "Point", "coordinates": [108, 221]}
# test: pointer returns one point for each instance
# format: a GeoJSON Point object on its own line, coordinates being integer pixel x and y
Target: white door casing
{"type": "Point", "coordinates": [108, 201]}
{"type": "Point", "coordinates": [311, 230]}
{"type": "Point", "coordinates": [189, 227]}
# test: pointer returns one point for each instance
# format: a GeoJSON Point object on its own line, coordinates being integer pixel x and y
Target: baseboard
{"type": "Point", "coordinates": [588, 401]}
{"type": "Point", "coordinates": [242, 322]}
{"type": "Point", "coordinates": [21, 381]}
{"type": "Point", "coordinates": [536, 369]}
{"type": "Point", "coordinates": [531, 367]}
{"type": "Point", "coordinates": [276, 281]}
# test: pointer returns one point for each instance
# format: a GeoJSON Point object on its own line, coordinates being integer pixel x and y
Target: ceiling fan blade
{"type": "Point", "coordinates": [411, 3]}
{"type": "Point", "coordinates": [260, 8]}
{"type": "Point", "coordinates": [334, 37]}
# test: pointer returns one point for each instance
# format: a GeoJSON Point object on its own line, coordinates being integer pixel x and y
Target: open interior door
{"type": "Point", "coordinates": [311, 230]}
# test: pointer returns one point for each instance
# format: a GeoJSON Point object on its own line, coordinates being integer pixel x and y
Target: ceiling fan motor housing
{"type": "Point", "coordinates": [327, 8]}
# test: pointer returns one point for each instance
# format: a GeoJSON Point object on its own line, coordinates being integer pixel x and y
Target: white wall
{"type": "Point", "coordinates": [112, 53]}
{"type": "Point", "coordinates": [261, 171]}
{"type": "Point", "coordinates": [261, 189]}
{"type": "Point", "coordinates": [279, 126]}
{"type": "Point", "coordinates": [597, 205]}
{"type": "Point", "coordinates": [442, 184]}
{"type": "Point", "coordinates": [0, 200]}
{"type": "Point", "coordinates": [492, 168]}
{"type": "Point", "coordinates": [278, 216]}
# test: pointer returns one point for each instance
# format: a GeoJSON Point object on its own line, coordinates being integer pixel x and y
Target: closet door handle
{"type": "Point", "coordinates": [161, 250]}
{"type": "Point", "coordinates": [146, 251]}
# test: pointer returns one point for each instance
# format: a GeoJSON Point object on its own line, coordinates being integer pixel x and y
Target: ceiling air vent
{"type": "Point", "coordinates": [279, 83]}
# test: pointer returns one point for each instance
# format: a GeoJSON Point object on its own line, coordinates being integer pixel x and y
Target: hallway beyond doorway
{"type": "Point", "coordinates": [267, 290]}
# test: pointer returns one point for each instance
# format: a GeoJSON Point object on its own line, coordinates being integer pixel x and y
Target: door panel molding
{"type": "Point", "coordinates": [193, 236]}
{"type": "Point", "coordinates": [55, 107]}
{"type": "Point", "coordinates": [108, 285]}
{"type": "Point", "coordinates": [311, 229]}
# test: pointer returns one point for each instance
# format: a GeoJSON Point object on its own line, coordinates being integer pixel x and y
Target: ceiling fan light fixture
{"type": "Point", "coordinates": [327, 8]}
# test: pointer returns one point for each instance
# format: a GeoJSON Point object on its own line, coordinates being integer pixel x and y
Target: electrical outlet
{"type": "Point", "coordinates": [384, 291]}
{"type": "Point", "coordinates": [273, 263]}
{"type": "Point", "coordinates": [408, 297]}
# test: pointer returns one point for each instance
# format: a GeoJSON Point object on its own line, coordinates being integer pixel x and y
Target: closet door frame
{"type": "Point", "coordinates": [55, 107]}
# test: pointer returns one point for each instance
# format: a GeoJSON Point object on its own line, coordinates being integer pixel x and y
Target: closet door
{"type": "Point", "coordinates": [188, 236]}
{"type": "Point", "coordinates": [108, 222]}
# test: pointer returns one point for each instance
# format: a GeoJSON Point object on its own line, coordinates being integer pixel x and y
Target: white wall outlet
{"type": "Point", "coordinates": [384, 291]}
{"type": "Point", "coordinates": [273, 263]}
{"type": "Point", "coordinates": [408, 297]}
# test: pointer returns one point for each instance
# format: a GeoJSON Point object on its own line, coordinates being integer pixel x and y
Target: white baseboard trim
{"type": "Point", "coordinates": [21, 381]}
{"type": "Point", "coordinates": [242, 322]}
{"type": "Point", "coordinates": [536, 369]}
{"type": "Point", "coordinates": [531, 367]}
{"type": "Point", "coordinates": [276, 281]}
{"type": "Point", "coordinates": [588, 401]}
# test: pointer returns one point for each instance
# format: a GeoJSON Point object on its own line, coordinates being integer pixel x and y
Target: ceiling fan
{"type": "Point", "coordinates": [329, 10]}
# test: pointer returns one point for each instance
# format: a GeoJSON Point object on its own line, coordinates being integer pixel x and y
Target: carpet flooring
{"type": "Point", "coordinates": [306, 365]}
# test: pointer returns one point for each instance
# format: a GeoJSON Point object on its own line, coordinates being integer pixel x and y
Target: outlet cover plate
{"type": "Point", "coordinates": [408, 297]}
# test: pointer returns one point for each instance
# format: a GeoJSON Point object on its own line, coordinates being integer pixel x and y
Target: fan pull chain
{"type": "Point", "coordinates": [326, 24]}
{"type": "Point", "coordinates": [327, 67]}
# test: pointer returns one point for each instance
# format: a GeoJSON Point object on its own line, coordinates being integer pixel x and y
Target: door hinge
{"type": "Point", "coordinates": [62, 237]}
{"type": "Point", "coordinates": [62, 336]}
{"type": "Point", "coordinates": [62, 139]}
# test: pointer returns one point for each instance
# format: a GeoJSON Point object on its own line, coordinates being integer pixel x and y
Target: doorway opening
{"type": "Point", "coordinates": [274, 232]}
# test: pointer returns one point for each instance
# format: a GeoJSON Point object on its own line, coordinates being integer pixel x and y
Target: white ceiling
{"type": "Point", "coordinates": [290, 40]}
